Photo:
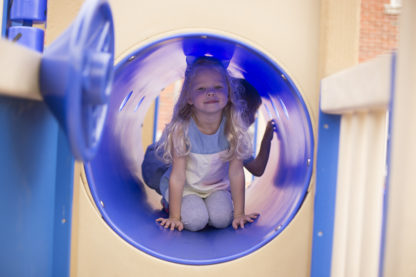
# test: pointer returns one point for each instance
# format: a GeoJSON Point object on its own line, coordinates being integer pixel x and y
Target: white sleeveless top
{"type": "Point", "coordinates": [205, 171]}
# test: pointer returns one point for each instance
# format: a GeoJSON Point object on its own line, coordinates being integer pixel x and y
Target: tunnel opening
{"type": "Point", "coordinates": [114, 175]}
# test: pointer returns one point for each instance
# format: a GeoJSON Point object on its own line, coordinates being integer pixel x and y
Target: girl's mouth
{"type": "Point", "coordinates": [211, 102]}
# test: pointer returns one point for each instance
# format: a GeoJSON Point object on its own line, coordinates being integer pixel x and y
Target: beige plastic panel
{"type": "Point", "coordinates": [19, 67]}
{"type": "Point", "coordinates": [360, 191]}
{"type": "Point", "coordinates": [287, 31]}
{"type": "Point", "coordinates": [339, 36]}
{"type": "Point", "coordinates": [97, 251]}
{"type": "Point", "coordinates": [363, 87]}
{"type": "Point", "coordinates": [401, 220]}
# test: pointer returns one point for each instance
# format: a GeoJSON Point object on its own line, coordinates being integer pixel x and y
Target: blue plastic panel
{"type": "Point", "coordinates": [3, 18]}
{"type": "Point", "coordinates": [31, 10]}
{"type": "Point", "coordinates": [36, 176]}
{"type": "Point", "coordinates": [28, 147]}
{"type": "Point", "coordinates": [30, 37]}
{"type": "Point", "coordinates": [63, 207]}
{"type": "Point", "coordinates": [277, 195]}
{"type": "Point", "coordinates": [388, 160]}
{"type": "Point", "coordinates": [325, 195]}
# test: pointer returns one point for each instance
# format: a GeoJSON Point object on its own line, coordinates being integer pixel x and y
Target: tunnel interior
{"type": "Point", "coordinates": [114, 175]}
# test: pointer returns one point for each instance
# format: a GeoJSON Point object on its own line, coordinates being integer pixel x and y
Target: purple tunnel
{"type": "Point", "coordinates": [130, 209]}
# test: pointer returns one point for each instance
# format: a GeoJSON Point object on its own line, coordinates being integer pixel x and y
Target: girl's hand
{"type": "Point", "coordinates": [171, 223]}
{"type": "Point", "coordinates": [240, 220]}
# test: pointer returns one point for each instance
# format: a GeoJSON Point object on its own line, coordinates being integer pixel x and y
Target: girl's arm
{"type": "Point", "coordinates": [258, 165]}
{"type": "Point", "coordinates": [176, 183]}
{"type": "Point", "coordinates": [237, 185]}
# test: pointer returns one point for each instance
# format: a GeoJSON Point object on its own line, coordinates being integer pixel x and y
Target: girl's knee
{"type": "Point", "coordinates": [194, 214]}
{"type": "Point", "coordinates": [220, 209]}
{"type": "Point", "coordinates": [220, 220]}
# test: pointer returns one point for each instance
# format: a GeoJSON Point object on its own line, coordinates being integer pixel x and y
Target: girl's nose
{"type": "Point", "coordinates": [210, 91]}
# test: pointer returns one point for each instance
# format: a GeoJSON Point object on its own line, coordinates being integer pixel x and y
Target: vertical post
{"type": "Point", "coordinates": [339, 48]}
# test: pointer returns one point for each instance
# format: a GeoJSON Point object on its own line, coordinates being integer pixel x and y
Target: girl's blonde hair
{"type": "Point", "coordinates": [175, 140]}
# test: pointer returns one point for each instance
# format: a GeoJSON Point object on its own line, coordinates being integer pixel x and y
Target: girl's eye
{"type": "Point", "coordinates": [201, 89]}
{"type": "Point", "coordinates": [218, 87]}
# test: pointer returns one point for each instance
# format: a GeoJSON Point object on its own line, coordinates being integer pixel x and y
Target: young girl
{"type": "Point", "coordinates": [153, 166]}
{"type": "Point", "coordinates": [206, 142]}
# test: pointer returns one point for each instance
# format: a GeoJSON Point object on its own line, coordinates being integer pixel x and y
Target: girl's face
{"type": "Point", "coordinates": [208, 91]}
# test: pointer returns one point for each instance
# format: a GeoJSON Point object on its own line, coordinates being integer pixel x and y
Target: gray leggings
{"type": "Point", "coordinates": [215, 210]}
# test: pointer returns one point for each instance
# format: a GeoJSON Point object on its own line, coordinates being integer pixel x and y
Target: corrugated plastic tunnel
{"type": "Point", "coordinates": [114, 175]}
